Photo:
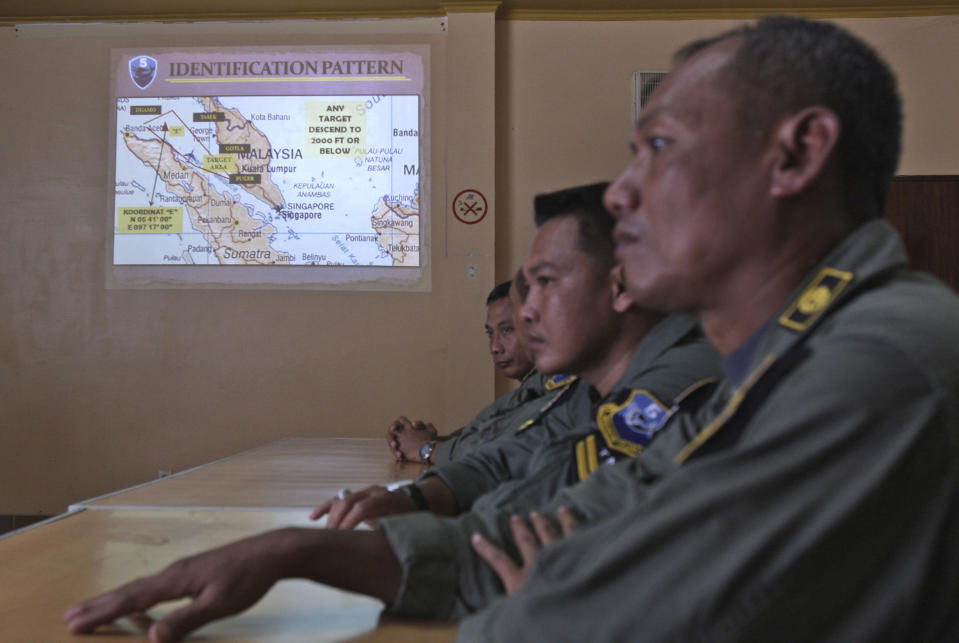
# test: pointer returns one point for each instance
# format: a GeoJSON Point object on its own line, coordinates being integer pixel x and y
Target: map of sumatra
{"type": "Point", "coordinates": [328, 180]}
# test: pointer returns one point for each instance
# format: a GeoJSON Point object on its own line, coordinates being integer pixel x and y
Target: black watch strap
{"type": "Point", "coordinates": [414, 492]}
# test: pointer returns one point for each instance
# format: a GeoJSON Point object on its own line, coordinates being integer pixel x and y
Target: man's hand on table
{"type": "Point", "coordinates": [221, 582]}
{"type": "Point", "coordinates": [351, 509]}
{"type": "Point", "coordinates": [528, 541]}
{"type": "Point", "coordinates": [230, 579]}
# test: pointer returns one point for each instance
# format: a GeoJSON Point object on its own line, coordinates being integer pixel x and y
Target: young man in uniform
{"type": "Point", "coordinates": [419, 441]}
{"type": "Point", "coordinates": [576, 318]}
{"type": "Point", "coordinates": [815, 494]}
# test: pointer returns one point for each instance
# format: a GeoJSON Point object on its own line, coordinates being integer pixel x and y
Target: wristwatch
{"type": "Point", "coordinates": [416, 494]}
{"type": "Point", "coordinates": [427, 450]}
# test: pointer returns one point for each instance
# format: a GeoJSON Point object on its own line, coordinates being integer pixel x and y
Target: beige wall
{"type": "Point", "coordinates": [100, 388]}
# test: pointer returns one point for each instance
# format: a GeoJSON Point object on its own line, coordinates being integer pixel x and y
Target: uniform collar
{"type": "Point", "coordinates": [659, 339]}
{"type": "Point", "coordinates": [533, 381]}
{"type": "Point", "coordinates": [865, 257]}
{"type": "Point", "coordinates": [867, 254]}
{"type": "Point", "coordinates": [736, 365]}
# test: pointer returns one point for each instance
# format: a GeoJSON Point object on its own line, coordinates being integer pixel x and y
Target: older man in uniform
{"type": "Point", "coordinates": [815, 494]}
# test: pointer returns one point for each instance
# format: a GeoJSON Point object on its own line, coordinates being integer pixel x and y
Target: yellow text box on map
{"type": "Point", "coordinates": [335, 128]}
{"type": "Point", "coordinates": [220, 163]}
{"type": "Point", "coordinates": [150, 220]}
{"type": "Point", "coordinates": [177, 130]}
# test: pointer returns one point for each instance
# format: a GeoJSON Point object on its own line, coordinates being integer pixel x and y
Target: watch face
{"type": "Point", "coordinates": [426, 451]}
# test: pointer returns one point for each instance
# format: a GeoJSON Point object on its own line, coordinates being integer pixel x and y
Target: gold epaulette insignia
{"type": "Point", "coordinates": [562, 394]}
{"type": "Point", "coordinates": [815, 298]}
{"type": "Point", "coordinates": [557, 381]}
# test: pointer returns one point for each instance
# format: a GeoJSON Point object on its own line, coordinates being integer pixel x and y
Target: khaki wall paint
{"type": "Point", "coordinates": [101, 389]}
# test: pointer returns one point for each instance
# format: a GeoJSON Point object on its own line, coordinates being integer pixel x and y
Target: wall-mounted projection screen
{"type": "Point", "coordinates": [250, 167]}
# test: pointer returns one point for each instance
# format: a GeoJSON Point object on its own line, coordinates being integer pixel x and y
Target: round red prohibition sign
{"type": "Point", "coordinates": [469, 206]}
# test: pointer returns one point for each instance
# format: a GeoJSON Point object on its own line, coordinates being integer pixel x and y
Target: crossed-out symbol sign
{"type": "Point", "coordinates": [469, 206]}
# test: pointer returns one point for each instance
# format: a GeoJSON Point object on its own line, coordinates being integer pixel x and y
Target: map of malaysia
{"type": "Point", "coordinates": [268, 180]}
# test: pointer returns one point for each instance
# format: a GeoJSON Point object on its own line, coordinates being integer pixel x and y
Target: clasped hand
{"type": "Point", "coordinates": [406, 437]}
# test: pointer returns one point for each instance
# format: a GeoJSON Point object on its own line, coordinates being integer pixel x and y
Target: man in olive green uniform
{"type": "Point", "coordinates": [593, 429]}
{"type": "Point", "coordinates": [419, 441]}
{"type": "Point", "coordinates": [632, 364]}
{"type": "Point", "coordinates": [814, 495]}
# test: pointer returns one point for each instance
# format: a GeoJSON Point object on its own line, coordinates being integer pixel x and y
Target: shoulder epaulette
{"type": "Point", "coordinates": [557, 381]}
{"type": "Point", "coordinates": [815, 298]}
{"type": "Point", "coordinates": [546, 407]}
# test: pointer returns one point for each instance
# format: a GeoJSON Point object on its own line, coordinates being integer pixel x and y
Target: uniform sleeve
{"type": "Point", "coordinates": [816, 522]}
{"type": "Point", "coordinates": [531, 491]}
{"type": "Point", "coordinates": [449, 449]}
{"type": "Point", "coordinates": [502, 426]}
{"type": "Point", "coordinates": [491, 420]}
{"type": "Point", "coordinates": [548, 482]}
{"type": "Point", "coordinates": [604, 491]}
{"type": "Point", "coordinates": [443, 578]}
{"type": "Point", "coordinates": [491, 464]}
{"type": "Point", "coordinates": [553, 467]}
{"type": "Point", "coordinates": [446, 449]}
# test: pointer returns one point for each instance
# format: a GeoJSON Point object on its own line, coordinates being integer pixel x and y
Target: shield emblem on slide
{"type": "Point", "coordinates": [143, 70]}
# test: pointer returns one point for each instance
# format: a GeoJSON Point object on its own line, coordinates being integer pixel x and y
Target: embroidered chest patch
{"type": "Point", "coordinates": [628, 427]}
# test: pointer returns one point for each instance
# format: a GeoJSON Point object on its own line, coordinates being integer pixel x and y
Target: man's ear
{"type": "Point", "coordinates": [804, 145]}
{"type": "Point", "coordinates": [622, 301]}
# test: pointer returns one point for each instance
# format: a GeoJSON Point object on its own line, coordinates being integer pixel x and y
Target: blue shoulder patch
{"type": "Point", "coordinates": [628, 427]}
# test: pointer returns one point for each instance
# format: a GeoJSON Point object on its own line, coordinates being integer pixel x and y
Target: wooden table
{"type": "Point", "coordinates": [289, 473]}
{"type": "Point", "coordinates": [108, 541]}
{"type": "Point", "coordinates": [45, 570]}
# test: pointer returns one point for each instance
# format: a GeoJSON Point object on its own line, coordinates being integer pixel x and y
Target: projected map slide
{"type": "Point", "coordinates": [258, 173]}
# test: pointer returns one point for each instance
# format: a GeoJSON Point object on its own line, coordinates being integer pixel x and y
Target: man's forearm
{"type": "Point", "coordinates": [358, 561]}
{"type": "Point", "coordinates": [231, 578]}
{"type": "Point", "coordinates": [439, 497]}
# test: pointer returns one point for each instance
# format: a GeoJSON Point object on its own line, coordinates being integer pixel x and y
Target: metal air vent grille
{"type": "Point", "coordinates": [644, 82]}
